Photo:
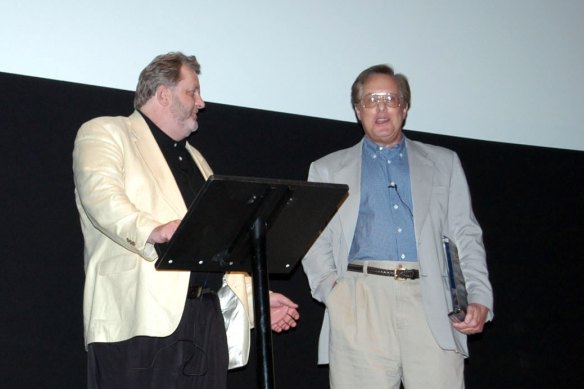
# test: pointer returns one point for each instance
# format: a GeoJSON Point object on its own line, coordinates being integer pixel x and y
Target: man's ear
{"type": "Point", "coordinates": [357, 112]}
{"type": "Point", "coordinates": [163, 95]}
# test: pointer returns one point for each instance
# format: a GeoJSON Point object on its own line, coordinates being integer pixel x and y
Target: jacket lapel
{"type": "Point", "coordinates": [349, 172]}
{"type": "Point", "coordinates": [152, 157]}
{"type": "Point", "coordinates": [200, 161]}
{"type": "Point", "coordinates": [421, 173]}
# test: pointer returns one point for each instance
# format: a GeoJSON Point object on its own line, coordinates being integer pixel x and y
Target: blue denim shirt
{"type": "Point", "coordinates": [385, 225]}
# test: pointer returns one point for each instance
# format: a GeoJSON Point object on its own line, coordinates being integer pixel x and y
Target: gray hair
{"type": "Point", "coordinates": [163, 70]}
{"type": "Point", "coordinates": [402, 82]}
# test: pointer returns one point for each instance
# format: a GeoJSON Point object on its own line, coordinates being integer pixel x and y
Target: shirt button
{"type": "Point", "coordinates": [180, 158]}
{"type": "Point", "coordinates": [395, 206]}
{"type": "Point", "coordinates": [399, 230]}
{"type": "Point", "coordinates": [403, 256]}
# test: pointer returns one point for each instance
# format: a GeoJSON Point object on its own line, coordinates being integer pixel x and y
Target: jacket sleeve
{"type": "Point", "coordinates": [319, 264]}
{"type": "Point", "coordinates": [99, 174]}
{"type": "Point", "coordinates": [466, 232]}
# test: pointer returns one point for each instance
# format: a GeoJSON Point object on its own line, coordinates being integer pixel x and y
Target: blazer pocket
{"type": "Point", "coordinates": [336, 289]}
{"type": "Point", "coordinates": [439, 199]}
{"type": "Point", "coordinates": [439, 190]}
{"type": "Point", "coordinates": [117, 265]}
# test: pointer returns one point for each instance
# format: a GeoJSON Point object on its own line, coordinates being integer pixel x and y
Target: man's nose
{"type": "Point", "coordinates": [199, 102]}
{"type": "Point", "coordinates": [382, 105]}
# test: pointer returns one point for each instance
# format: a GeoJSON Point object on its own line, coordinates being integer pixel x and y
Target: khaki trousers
{"type": "Point", "coordinates": [380, 336]}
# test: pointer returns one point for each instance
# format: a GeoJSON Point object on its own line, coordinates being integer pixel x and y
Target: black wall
{"type": "Point", "coordinates": [529, 201]}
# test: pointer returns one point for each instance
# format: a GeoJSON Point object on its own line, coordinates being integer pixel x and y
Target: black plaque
{"type": "Point", "coordinates": [455, 280]}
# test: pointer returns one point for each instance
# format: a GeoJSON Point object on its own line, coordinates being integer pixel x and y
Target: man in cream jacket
{"type": "Point", "coordinates": [134, 177]}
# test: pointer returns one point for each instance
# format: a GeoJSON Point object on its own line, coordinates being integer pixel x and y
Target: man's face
{"type": "Point", "coordinates": [382, 123]}
{"type": "Point", "coordinates": [186, 101]}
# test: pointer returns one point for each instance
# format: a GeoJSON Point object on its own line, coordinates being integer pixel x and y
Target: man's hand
{"type": "Point", "coordinates": [163, 232]}
{"type": "Point", "coordinates": [283, 312]}
{"type": "Point", "coordinates": [474, 320]}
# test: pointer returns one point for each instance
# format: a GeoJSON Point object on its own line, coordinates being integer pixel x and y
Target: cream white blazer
{"type": "Point", "coordinates": [123, 190]}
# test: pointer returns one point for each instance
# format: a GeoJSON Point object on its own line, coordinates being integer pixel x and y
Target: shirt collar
{"type": "Point", "coordinates": [373, 150]}
{"type": "Point", "coordinates": [163, 140]}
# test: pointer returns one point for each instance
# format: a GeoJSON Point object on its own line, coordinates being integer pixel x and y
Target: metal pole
{"type": "Point", "coordinates": [261, 297]}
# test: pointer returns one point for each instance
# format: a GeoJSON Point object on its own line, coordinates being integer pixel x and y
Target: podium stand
{"type": "Point", "coordinates": [255, 225]}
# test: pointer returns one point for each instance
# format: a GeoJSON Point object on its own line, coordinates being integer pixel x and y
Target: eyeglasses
{"type": "Point", "coordinates": [371, 100]}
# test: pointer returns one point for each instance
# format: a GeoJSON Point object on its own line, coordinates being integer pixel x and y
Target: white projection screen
{"type": "Point", "coordinates": [499, 70]}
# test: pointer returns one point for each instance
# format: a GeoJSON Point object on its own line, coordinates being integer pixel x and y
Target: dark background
{"type": "Point", "coordinates": [529, 201]}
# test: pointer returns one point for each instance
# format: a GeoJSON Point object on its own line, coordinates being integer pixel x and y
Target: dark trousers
{"type": "Point", "coordinates": [194, 356]}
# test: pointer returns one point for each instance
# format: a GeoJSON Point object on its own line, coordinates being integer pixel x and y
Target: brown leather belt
{"type": "Point", "coordinates": [399, 273]}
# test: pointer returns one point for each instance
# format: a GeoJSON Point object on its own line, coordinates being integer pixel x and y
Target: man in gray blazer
{"type": "Point", "coordinates": [379, 266]}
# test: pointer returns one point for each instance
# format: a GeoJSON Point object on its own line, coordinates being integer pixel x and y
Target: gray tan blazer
{"type": "Point", "coordinates": [123, 190]}
{"type": "Point", "coordinates": [441, 205]}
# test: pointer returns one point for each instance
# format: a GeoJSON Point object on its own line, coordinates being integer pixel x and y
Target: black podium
{"type": "Point", "coordinates": [255, 225]}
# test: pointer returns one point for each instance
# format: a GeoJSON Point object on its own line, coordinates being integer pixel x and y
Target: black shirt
{"type": "Point", "coordinates": [189, 180]}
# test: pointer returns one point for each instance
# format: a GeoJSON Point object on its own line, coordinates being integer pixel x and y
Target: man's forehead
{"type": "Point", "coordinates": [188, 75]}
